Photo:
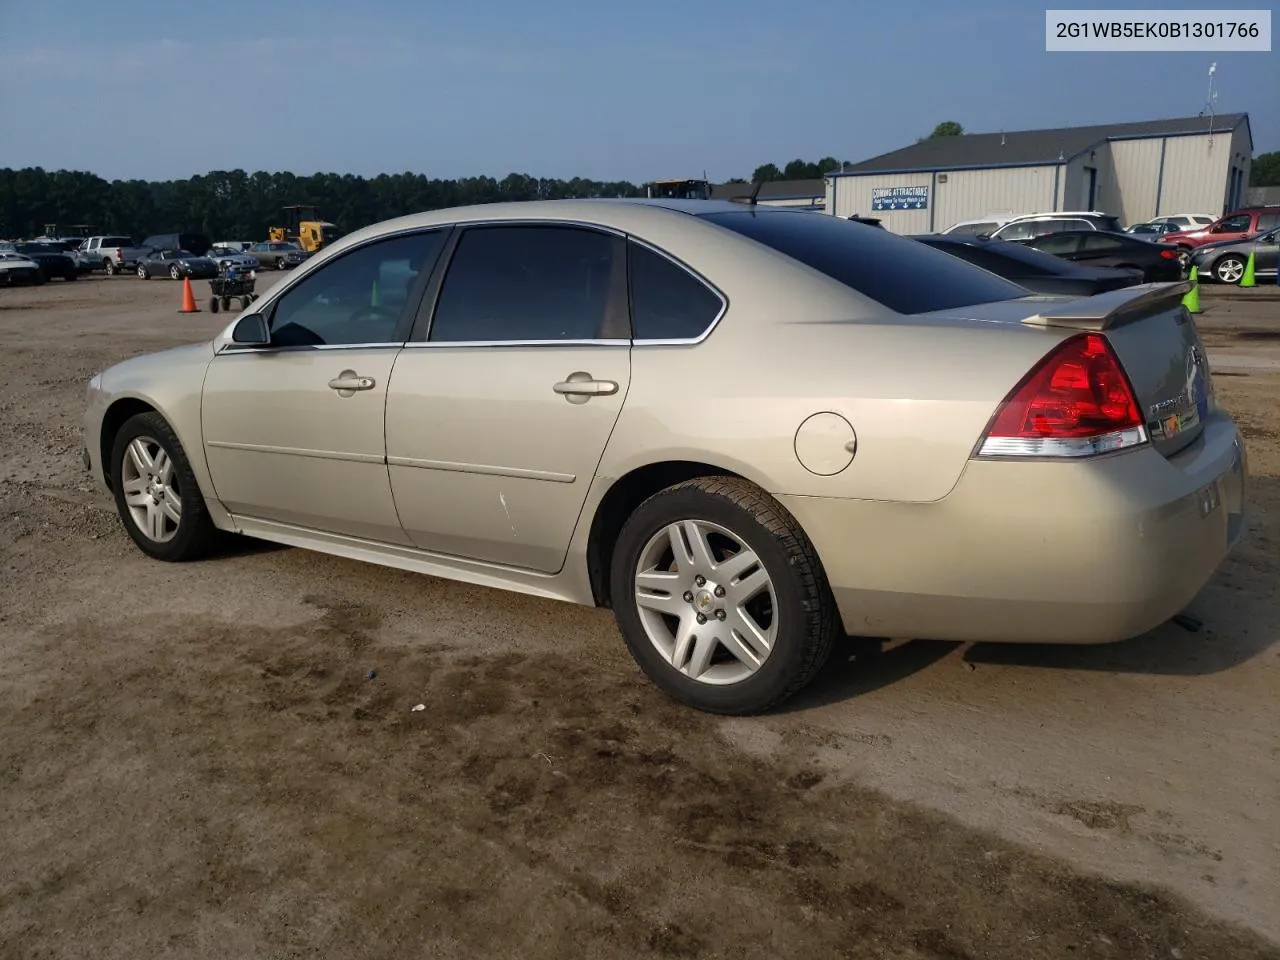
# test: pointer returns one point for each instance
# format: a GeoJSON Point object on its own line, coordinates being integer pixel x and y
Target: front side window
{"type": "Point", "coordinates": [667, 301]}
{"type": "Point", "coordinates": [878, 264]}
{"type": "Point", "coordinates": [1236, 224]}
{"type": "Point", "coordinates": [974, 229]}
{"type": "Point", "coordinates": [357, 298]}
{"type": "Point", "coordinates": [1057, 244]}
{"type": "Point", "coordinates": [533, 283]}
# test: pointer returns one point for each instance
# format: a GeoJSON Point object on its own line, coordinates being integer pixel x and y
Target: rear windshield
{"type": "Point", "coordinates": [117, 242]}
{"type": "Point", "coordinates": [898, 273]}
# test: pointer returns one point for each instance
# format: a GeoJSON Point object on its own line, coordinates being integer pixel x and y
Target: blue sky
{"type": "Point", "coordinates": [556, 88]}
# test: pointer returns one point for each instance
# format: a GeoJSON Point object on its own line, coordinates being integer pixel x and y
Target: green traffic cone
{"type": "Point", "coordinates": [1192, 298]}
{"type": "Point", "coordinates": [1247, 280]}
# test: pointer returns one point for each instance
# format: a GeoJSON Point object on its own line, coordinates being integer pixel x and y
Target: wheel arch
{"type": "Point", "coordinates": [114, 418]}
{"type": "Point", "coordinates": [624, 495]}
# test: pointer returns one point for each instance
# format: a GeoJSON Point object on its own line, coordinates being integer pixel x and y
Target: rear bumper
{"type": "Point", "coordinates": [1038, 552]}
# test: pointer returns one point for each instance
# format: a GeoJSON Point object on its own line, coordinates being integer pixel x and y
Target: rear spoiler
{"type": "Point", "coordinates": [1106, 310]}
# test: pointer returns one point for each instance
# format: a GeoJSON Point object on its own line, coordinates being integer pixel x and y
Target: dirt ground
{"type": "Point", "coordinates": [194, 761]}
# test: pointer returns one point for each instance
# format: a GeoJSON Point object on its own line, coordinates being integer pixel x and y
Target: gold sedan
{"type": "Point", "coordinates": [747, 430]}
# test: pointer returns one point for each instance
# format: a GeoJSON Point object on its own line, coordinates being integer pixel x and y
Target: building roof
{"type": "Point", "coordinates": [1031, 147]}
{"type": "Point", "coordinates": [772, 190]}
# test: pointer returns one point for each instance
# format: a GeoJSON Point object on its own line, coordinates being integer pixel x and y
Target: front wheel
{"type": "Point", "coordinates": [156, 493]}
{"type": "Point", "coordinates": [280, 264]}
{"type": "Point", "coordinates": [142, 273]}
{"type": "Point", "coordinates": [175, 273]}
{"type": "Point", "coordinates": [720, 596]}
{"type": "Point", "coordinates": [1229, 270]}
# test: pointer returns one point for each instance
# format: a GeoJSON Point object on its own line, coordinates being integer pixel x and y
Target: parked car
{"type": "Point", "coordinates": [1157, 262]}
{"type": "Point", "coordinates": [1029, 268]}
{"type": "Point", "coordinates": [1224, 260]}
{"type": "Point", "coordinates": [225, 257]}
{"type": "Point", "coordinates": [1234, 226]}
{"type": "Point", "coordinates": [52, 261]}
{"type": "Point", "coordinates": [240, 245]}
{"type": "Point", "coordinates": [116, 254]}
{"type": "Point", "coordinates": [278, 254]}
{"type": "Point", "coordinates": [984, 226]}
{"type": "Point", "coordinates": [1151, 230]}
{"type": "Point", "coordinates": [1027, 469]}
{"type": "Point", "coordinates": [176, 264]}
{"type": "Point", "coordinates": [197, 243]}
{"type": "Point", "coordinates": [1186, 221]}
{"type": "Point", "coordinates": [1038, 224]}
{"type": "Point", "coordinates": [16, 269]}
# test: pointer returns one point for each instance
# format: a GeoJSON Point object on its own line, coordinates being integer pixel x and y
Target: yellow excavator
{"type": "Point", "coordinates": [303, 226]}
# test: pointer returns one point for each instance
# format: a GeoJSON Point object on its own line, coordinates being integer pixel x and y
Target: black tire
{"type": "Point", "coordinates": [213, 304]}
{"type": "Point", "coordinates": [226, 303]}
{"type": "Point", "coordinates": [143, 273]}
{"type": "Point", "coordinates": [808, 622]}
{"type": "Point", "coordinates": [110, 266]}
{"type": "Point", "coordinates": [244, 304]}
{"type": "Point", "coordinates": [280, 264]}
{"type": "Point", "coordinates": [195, 535]}
{"type": "Point", "coordinates": [175, 273]}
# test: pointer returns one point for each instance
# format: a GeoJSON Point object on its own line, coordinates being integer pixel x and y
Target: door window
{"type": "Point", "coordinates": [533, 284]}
{"type": "Point", "coordinates": [358, 297]}
{"type": "Point", "coordinates": [1057, 244]}
{"type": "Point", "coordinates": [667, 301]}
{"type": "Point", "coordinates": [1268, 221]}
{"type": "Point", "coordinates": [1236, 224]}
{"type": "Point", "coordinates": [1102, 244]}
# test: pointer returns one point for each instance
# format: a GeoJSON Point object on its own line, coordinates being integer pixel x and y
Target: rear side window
{"type": "Point", "coordinates": [1236, 224]}
{"type": "Point", "coordinates": [532, 283]}
{"type": "Point", "coordinates": [667, 301]}
{"type": "Point", "coordinates": [1268, 221]}
{"type": "Point", "coordinates": [898, 273]}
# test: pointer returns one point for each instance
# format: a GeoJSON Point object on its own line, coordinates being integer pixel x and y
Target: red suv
{"type": "Point", "coordinates": [1234, 226]}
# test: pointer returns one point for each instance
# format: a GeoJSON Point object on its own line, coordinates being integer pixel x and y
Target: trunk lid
{"type": "Point", "coordinates": [1159, 347]}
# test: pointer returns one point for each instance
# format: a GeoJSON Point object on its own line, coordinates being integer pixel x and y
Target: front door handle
{"type": "Point", "coordinates": [580, 386]}
{"type": "Point", "coordinates": [348, 382]}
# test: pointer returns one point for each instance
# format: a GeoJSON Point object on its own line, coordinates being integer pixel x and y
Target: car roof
{"type": "Point", "coordinates": [620, 213]}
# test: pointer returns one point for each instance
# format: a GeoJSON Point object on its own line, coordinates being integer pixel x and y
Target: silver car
{"type": "Point", "coordinates": [226, 257]}
{"type": "Point", "coordinates": [747, 430]}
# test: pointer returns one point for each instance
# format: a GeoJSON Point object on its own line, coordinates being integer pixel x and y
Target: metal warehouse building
{"type": "Point", "coordinates": [1135, 171]}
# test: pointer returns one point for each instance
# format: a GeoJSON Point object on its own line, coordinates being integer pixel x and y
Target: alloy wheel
{"type": "Point", "coordinates": [151, 489]}
{"type": "Point", "coordinates": [706, 602]}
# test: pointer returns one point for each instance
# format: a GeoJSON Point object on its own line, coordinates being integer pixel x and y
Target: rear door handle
{"type": "Point", "coordinates": [348, 382]}
{"type": "Point", "coordinates": [581, 386]}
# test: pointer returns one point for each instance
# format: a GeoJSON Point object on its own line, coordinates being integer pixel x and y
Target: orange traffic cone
{"type": "Point", "coordinates": [188, 297]}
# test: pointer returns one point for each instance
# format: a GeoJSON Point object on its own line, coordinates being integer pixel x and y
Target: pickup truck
{"type": "Point", "coordinates": [116, 254]}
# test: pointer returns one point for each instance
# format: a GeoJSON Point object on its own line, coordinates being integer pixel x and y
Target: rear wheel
{"type": "Point", "coordinates": [720, 596]}
{"type": "Point", "coordinates": [109, 265]}
{"type": "Point", "coordinates": [213, 304]}
{"type": "Point", "coordinates": [143, 273]}
{"type": "Point", "coordinates": [1229, 269]}
{"type": "Point", "coordinates": [280, 264]}
{"type": "Point", "coordinates": [156, 493]}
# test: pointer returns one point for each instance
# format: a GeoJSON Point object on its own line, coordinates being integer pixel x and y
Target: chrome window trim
{"type": "Point", "coordinates": [308, 266]}
{"type": "Point", "coordinates": [293, 348]}
{"type": "Point", "coordinates": [446, 344]}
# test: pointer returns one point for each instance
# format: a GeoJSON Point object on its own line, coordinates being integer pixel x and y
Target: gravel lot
{"type": "Point", "coordinates": [194, 764]}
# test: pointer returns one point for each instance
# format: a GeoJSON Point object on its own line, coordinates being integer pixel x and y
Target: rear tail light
{"type": "Point", "coordinates": [1076, 402]}
{"type": "Point", "coordinates": [119, 253]}
{"type": "Point", "coordinates": [1169, 254]}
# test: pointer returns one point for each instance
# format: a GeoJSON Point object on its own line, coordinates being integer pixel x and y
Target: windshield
{"type": "Point", "coordinates": [876, 263]}
{"type": "Point", "coordinates": [329, 233]}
